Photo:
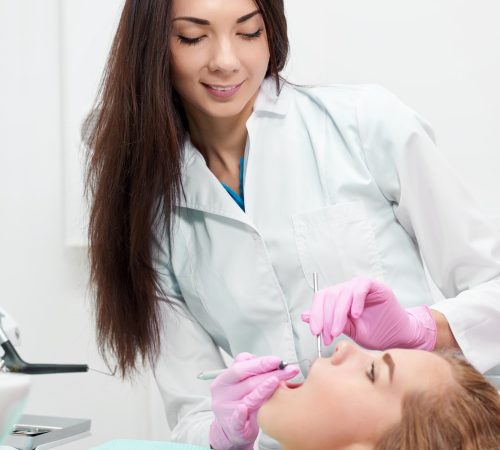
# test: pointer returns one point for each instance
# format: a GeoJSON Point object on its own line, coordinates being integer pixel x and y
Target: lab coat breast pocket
{"type": "Point", "coordinates": [337, 242]}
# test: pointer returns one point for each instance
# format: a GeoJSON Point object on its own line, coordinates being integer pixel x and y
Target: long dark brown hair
{"type": "Point", "coordinates": [135, 143]}
{"type": "Point", "coordinates": [462, 415]}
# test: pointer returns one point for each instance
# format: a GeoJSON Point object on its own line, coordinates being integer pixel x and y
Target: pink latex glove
{"type": "Point", "coordinates": [369, 313]}
{"type": "Point", "coordinates": [237, 395]}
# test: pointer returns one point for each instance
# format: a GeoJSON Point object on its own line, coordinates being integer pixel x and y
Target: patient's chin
{"type": "Point", "coordinates": [266, 416]}
{"type": "Point", "coordinates": [263, 414]}
{"type": "Point", "coordinates": [268, 420]}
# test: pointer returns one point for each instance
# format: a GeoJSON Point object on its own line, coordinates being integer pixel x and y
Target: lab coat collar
{"type": "Point", "coordinates": [268, 101]}
{"type": "Point", "coordinates": [202, 190]}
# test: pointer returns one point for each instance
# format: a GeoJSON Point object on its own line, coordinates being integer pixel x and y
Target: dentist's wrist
{"type": "Point", "coordinates": [219, 440]}
{"type": "Point", "coordinates": [444, 338]}
{"type": "Point", "coordinates": [425, 328]}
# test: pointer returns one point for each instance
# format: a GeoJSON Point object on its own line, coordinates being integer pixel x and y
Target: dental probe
{"type": "Point", "coordinates": [211, 374]}
{"type": "Point", "coordinates": [315, 284]}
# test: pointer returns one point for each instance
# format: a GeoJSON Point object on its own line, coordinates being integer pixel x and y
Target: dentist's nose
{"type": "Point", "coordinates": [223, 57]}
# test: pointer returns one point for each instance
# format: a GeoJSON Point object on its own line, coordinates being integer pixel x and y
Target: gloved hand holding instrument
{"type": "Point", "coordinates": [369, 313]}
{"type": "Point", "coordinates": [238, 393]}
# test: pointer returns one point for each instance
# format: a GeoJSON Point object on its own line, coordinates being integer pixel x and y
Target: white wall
{"type": "Point", "coordinates": [85, 39]}
{"type": "Point", "coordinates": [43, 281]}
{"type": "Point", "coordinates": [442, 58]}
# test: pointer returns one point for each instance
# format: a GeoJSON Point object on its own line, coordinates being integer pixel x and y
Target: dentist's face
{"type": "Point", "coordinates": [219, 55]}
{"type": "Point", "coordinates": [351, 398]}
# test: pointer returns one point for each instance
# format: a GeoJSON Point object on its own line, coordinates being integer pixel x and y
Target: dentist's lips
{"type": "Point", "coordinates": [222, 91]}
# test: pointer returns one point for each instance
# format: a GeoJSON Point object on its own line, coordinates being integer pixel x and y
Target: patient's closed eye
{"type": "Point", "coordinates": [370, 373]}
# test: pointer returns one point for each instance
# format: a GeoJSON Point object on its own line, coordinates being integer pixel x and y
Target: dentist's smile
{"type": "Point", "coordinates": [221, 90]}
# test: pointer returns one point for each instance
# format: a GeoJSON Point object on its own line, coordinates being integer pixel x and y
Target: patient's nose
{"type": "Point", "coordinates": [343, 351]}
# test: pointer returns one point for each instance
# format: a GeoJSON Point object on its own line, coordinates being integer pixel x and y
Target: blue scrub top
{"type": "Point", "coordinates": [239, 199]}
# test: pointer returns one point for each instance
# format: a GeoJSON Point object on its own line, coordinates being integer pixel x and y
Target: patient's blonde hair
{"type": "Point", "coordinates": [462, 415]}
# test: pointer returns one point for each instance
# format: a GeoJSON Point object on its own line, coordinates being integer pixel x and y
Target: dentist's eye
{"type": "Point", "coordinates": [370, 373]}
{"type": "Point", "coordinates": [188, 41]}
{"type": "Point", "coordinates": [255, 35]}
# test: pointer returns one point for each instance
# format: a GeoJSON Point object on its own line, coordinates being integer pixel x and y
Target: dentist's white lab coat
{"type": "Point", "coordinates": [343, 181]}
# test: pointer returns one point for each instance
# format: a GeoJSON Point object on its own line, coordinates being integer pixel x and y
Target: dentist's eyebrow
{"type": "Point", "coordinates": [198, 21]}
{"type": "Point", "coordinates": [390, 363]}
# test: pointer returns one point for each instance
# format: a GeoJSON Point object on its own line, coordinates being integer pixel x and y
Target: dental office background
{"type": "Point", "coordinates": [440, 57]}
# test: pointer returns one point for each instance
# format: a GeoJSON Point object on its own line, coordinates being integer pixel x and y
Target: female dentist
{"type": "Point", "coordinates": [218, 189]}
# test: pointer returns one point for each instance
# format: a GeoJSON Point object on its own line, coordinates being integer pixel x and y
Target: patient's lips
{"type": "Point", "coordinates": [290, 385]}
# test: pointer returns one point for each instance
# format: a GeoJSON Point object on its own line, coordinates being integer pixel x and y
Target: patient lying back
{"type": "Point", "coordinates": [393, 400]}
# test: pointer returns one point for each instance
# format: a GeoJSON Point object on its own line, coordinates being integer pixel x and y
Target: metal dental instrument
{"type": "Point", "coordinates": [315, 285]}
{"type": "Point", "coordinates": [212, 374]}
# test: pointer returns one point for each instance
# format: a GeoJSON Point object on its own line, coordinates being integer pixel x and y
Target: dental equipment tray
{"type": "Point", "coordinates": [44, 432]}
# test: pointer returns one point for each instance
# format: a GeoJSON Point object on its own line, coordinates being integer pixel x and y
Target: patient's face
{"type": "Point", "coordinates": [351, 398]}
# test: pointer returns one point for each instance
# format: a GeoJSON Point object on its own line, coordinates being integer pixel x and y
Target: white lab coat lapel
{"type": "Point", "coordinates": [203, 191]}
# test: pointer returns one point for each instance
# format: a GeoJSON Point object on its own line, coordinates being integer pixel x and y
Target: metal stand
{"type": "Point", "coordinates": [44, 432]}
{"type": "Point", "coordinates": [63, 441]}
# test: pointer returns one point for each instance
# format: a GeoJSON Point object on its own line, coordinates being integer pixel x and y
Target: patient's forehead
{"type": "Point", "coordinates": [419, 369]}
